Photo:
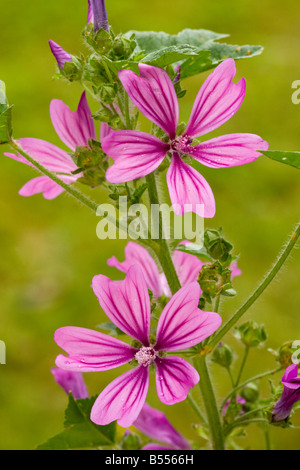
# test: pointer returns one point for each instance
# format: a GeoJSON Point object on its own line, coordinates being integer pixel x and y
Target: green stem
{"type": "Point", "coordinates": [210, 403]}
{"type": "Point", "coordinates": [253, 379]}
{"type": "Point", "coordinates": [260, 289]}
{"type": "Point", "coordinates": [196, 408]}
{"type": "Point", "coordinates": [242, 366]}
{"type": "Point", "coordinates": [68, 188]}
{"type": "Point", "coordinates": [161, 248]}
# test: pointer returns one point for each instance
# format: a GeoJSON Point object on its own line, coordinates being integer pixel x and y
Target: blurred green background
{"type": "Point", "coordinates": [49, 249]}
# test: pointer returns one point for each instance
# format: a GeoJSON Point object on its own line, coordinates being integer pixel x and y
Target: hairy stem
{"type": "Point", "coordinates": [210, 403]}
{"type": "Point", "coordinates": [260, 289]}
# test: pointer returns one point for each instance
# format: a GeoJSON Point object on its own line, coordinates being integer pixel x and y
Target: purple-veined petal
{"type": "Point", "coordinates": [71, 382]}
{"type": "Point", "coordinates": [98, 15]}
{"type": "Point", "coordinates": [90, 17]}
{"type": "Point", "coordinates": [60, 54]}
{"type": "Point", "coordinates": [135, 154]}
{"type": "Point", "coordinates": [126, 303]}
{"type": "Point", "coordinates": [90, 350]}
{"type": "Point", "coordinates": [153, 93]}
{"type": "Point", "coordinates": [122, 399]}
{"type": "Point", "coordinates": [136, 254]}
{"type": "Point", "coordinates": [217, 101]}
{"type": "Point", "coordinates": [229, 150]}
{"type": "Point", "coordinates": [174, 379]}
{"type": "Point", "coordinates": [189, 191]}
{"type": "Point", "coordinates": [74, 128]}
{"type": "Point", "coordinates": [290, 377]}
{"type": "Point", "coordinates": [154, 424]}
{"type": "Point", "coordinates": [105, 130]}
{"type": "Point", "coordinates": [181, 324]}
{"type": "Point", "coordinates": [50, 156]}
{"type": "Point", "coordinates": [41, 184]}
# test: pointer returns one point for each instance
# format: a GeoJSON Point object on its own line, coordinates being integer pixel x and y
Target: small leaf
{"type": "Point", "coordinates": [5, 116]}
{"type": "Point", "coordinates": [289, 158]}
{"type": "Point", "coordinates": [80, 432]}
{"type": "Point", "coordinates": [196, 250]}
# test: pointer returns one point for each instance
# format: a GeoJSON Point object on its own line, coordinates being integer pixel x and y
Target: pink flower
{"type": "Point", "coordinates": [127, 304]}
{"type": "Point", "coordinates": [74, 129]}
{"type": "Point", "coordinates": [136, 154]}
{"type": "Point", "coordinates": [187, 267]}
{"type": "Point", "coordinates": [70, 382]}
{"type": "Point", "coordinates": [290, 395]}
{"type": "Point", "coordinates": [154, 424]}
{"type": "Point", "coordinates": [60, 54]}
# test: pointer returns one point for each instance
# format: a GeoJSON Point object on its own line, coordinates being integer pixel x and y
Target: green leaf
{"type": "Point", "coordinates": [289, 158]}
{"type": "Point", "coordinates": [108, 326]}
{"type": "Point", "coordinates": [208, 52]}
{"type": "Point", "coordinates": [169, 55]}
{"type": "Point", "coordinates": [5, 116]}
{"type": "Point", "coordinates": [80, 432]}
{"type": "Point", "coordinates": [196, 250]}
{"type": "Point", "coordinates": [151, 41]}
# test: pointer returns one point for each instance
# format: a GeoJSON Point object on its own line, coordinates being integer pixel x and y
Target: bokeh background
{"type": "Point", "coordinates": [49, 249]}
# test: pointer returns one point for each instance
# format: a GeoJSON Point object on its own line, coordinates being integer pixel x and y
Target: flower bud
{"type": "Point", "coordinates": [60, 55]}
{"type": "Point", "coordinates": [222, 355]}
{"type": "Point", "coordinates": [131, 441]}
{"type": "Point", "coordinates": [251, 334]}
{"type": "Point", "coordinates": [97, 15]}
{"type": "Point", "coordinates": [217, 247]}
{"type": "Point", "coordinates": [214, 280]}
{"type": "Point", "coordinates": [250, 392]}
{"type": "Point", "coordinates": [284, 354]}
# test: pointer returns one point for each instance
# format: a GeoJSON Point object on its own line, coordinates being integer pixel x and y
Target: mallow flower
{"type": "Point", "coordinates": [74, 129]}
{"type": "Point", "coordinates": [154, 424]}
{"type": "Point", "coordinates": [127, 304]}
{"type": "Point", "coordinates": [290, 394]}
{"type": "Point", "coordinates": [97, 15]}
{"type": "Point", "coordinates": [151, 422]}
{"type": "Point", "coordinates": [137, 154]}
{"type": "Point", "coordinates": [187, 267]}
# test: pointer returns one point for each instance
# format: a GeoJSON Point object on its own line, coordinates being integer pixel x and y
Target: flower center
{"type": "Point", "coordinates": [145, 356]}
{"type": "Point", "coordinates": [182, 144]}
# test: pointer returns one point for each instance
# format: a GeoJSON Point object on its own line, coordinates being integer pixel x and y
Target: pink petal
{"type": "Point", "coordinates": [187, 266]}
{"type": "Point", "coordinates": [73, 128]}
{"type": "Point", "coordinates": [60, 54]}
{"type": "Point", "coordinates": [154, 424]}
{"type": "Point", "coordinates": [136, 254]}
{"type": "Point", "coordinates": [235, 270]}
{"type": "Point", "coordinates": [174, 379]}
{"type": "Point", "coordinates": [126, 303]}
{"type": "Point", "coordinates": [217, 101]}
{"type": "Point", "coordinates": [188, 187]}
{"type": "Point", "coordinates": [41, 184]}
{"type": "Point", "coordinates": [181, 324]}
{"type": "Point", "coordinates": [122, 399]}
{"type": "Point", "coordinates": [51, 157]}
{"type": "Point", "coordinates": [229, 150]}
{"type": "Point", "coordinates": [90, 350]}
{"type": "Point", "coordinates": [289, 376]}
{"type": "Point", "coordinates": [105, 130]}
{"type": "Point", "coordinates": [71, 382]}
{"type": "Point", "coordinates": [135, 154]}
{"type": "Point", "coordinates": [153, 93]}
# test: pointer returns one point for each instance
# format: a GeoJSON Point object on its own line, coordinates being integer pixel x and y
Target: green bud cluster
{"type": "Point", "coordinates": [251, 334]}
